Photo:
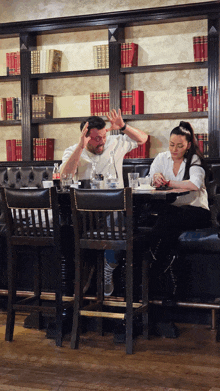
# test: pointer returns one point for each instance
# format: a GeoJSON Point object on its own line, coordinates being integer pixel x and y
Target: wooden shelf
{"type": "Point", "coordinates": [165, 67]}
{"type": "Point", "coordinates": [10, 78]}
{"type": "Point", "coordinates": [137, 117]}
{"type": "Point", "coordinates": [59, 75]}
{"type": "Point", "coordinates": [10, 122]}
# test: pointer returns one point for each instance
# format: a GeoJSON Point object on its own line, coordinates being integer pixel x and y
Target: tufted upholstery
{"type": "Point", "coordinates": [196, 246]}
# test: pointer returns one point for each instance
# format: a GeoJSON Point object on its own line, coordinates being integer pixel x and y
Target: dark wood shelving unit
{"type": "Point", "coordinates": [165, 67]}
{"type": "Point", "coordinates": [137, 117]}
{"type": "Point", "coordinates": [60, 75]}
{"type": "Point", "coordinates": [115, 23]}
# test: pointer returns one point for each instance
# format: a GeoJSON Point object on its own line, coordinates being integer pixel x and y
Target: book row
{"type": "Point", "coordinates": [203, 143]}
{"type": "Point", "coordinates": [13, 150]}
{"type": "Point", "coordinates": [99, 103]}
{"type": "Point", "coordinates": [200, 48]}
{"type": "Point", "coordinates": [101, 56]}
{"type": "Point", "coordinates": [13, 65]}
{"type": "Point", "coordinates": [129, 55]}
{"type": "Point", "coordinates": [197, 98]}
{"type": "Point", "coordinates": [43, 148]}
{"type": "Point", "coordinates": [132, 102]}
{"type": "Point", "coordinates": [46, 60]}
{"type": "Point", "coordinates": [42, 106]}
{"type": "Point", "coordinates": [10, 109]}
{"type": "Point", "coordinates": [141, 152]}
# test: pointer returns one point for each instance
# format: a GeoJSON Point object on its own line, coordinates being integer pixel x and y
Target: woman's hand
{"type": "Point", "coordinates": [159, 180]}
{"type": "Point", "coordinates": [115, 119]}
{"type": "Point", "coordinates": [84, 139]}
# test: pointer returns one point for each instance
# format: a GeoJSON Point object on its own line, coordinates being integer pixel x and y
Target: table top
{"type": "Point", "coordinates": [153, 194]}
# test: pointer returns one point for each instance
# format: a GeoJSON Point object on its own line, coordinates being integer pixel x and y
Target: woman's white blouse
{"type": "Point", "coordinates": [163, 163]}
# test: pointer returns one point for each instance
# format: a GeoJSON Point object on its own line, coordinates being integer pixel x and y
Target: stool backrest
{"type": "Point", "coordinates": [102, 219]}
{"type": "Point", "coordinates": [32, 216]}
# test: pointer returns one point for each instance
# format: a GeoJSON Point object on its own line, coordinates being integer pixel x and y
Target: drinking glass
{"type": "Point", "coordinates": [133, 179]}
{"type": "Point", "coordinates": [66, 181]}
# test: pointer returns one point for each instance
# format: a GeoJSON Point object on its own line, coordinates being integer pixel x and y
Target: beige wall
{"type": "Point", "coordinates": [164, 43]}
{"type": "Point", "coordinates": [31, 9]}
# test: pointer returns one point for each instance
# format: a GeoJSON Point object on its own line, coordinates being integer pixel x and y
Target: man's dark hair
{"type": "Point", "coordinates": [94, 122]}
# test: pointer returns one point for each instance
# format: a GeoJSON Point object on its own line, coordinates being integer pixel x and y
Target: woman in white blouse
{"type": "Point", "coordinates": [183, 166]}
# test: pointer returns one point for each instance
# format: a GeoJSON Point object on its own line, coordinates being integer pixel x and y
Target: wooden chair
{"type": "Point", "coordinates": [32, 219]}
{"type": "Point", "coordinates": [103, 219]}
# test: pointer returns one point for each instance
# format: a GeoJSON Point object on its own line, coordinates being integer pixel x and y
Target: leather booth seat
{"type": "Point", "coordinates": [197, 248]}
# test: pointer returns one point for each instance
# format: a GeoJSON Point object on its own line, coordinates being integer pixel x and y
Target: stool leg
{"type": "Point", "coordinates": [59, 322]}
{"type": "Point", "coordinates": [129, 303]}
{"type": "Point", "coordinates": [77, 302]}
{"type": "Point", "coordinates": [145, 292]}
{"type": "Point", "coordinates": [38, 318]}
{"type": "Point", "coordinates": [100, 288]}
{"type": "Point", "coordinates": [11, 297]}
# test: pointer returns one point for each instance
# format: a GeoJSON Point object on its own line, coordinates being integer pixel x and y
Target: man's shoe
{"type": "Point", "coordinates": [108, 278]}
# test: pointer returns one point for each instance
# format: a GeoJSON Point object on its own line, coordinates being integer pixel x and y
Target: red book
{"type": "Point", "coordinates": [13, 150]}
{"type": "Point", "coordinates": [199, 92]}
{"type": "Point", "coordinates": [201, 41]}
{"type": "Point", "coordinates": [99, 103]}
{"type": "Point", "coordinates": [18, 71]}
{"type": "Point", "coordinates": [92, 103]}
{"type": "Point", "coordinates": [197, 49]}
{"type": "Point", "coordinates": [147, 147]}
{"type": "Point", "coordinates": [104, 97]}
{"type": "Point", "coordinates": [137, 102]}
{"type": "Point", "coordinates": [205, 47]}
{"type": "Point", "coordinates": [126, 55]}
{"type": "Point", "coordinates": [194, 107]}
{"type": "Point", "coordinates": [95, 104]}
{"type": "Point", "coordinates": [49, 149]}
{"type": "Point", "coordinates": [203, 98]}
{"type": "Point", "coordinates": [189, 99]}
{"type": "Point", "coordinates": [107, 105]}
{"type": "Point", "coordinates": [8, 151]}
{"type": "Point", "coordinates": [19, 150]}
{"type": "Point", "coordinates": [132, 54]}
{"type": "Point", "coordinates": [9, 108]}
{"type": "Point", "coordinates": [128, 102]}
{"type": "Point", "coordinates": [200, 141]}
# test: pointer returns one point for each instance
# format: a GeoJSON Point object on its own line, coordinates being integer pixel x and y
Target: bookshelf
{"type": "Point", "coordinates": [115, 28]}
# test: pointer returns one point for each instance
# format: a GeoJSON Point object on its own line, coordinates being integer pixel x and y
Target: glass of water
{"type": "Point", "coordinates": [133, 179]}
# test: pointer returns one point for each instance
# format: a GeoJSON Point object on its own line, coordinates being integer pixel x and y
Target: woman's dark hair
{"type": "Point", "coordinates": [94, 122]}
{"type": "Point", "coordinates": [185, 129]}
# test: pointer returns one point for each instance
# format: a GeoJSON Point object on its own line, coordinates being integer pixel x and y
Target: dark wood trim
{"type": "Point", "coordinates": [213, 86]}
{"type": "Point", "coordinates": [60, 75]}
{"type": "Point", "coordinates": [28, 87]}
{"type": "Point", "coordinates": [138, 117]}
{"type": "Point", "coordinates": [125, 18]}
{"type": "Point", "coordinates": [165, 67]}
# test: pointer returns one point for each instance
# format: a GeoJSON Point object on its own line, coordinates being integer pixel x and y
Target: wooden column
{"type": "Point", "coordinates": [28, 87]}
{"type": "Point", "coordinates": [213, 87]}
{"type": "Point", "coordinates": [116, 79]}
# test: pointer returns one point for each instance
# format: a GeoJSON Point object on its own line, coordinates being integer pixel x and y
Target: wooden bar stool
{"type": "Point", "coordinates": [32, 219]}
{"type": "Point", "coordinates": [102, 220]}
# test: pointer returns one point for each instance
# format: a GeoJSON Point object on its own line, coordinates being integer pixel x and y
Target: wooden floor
{"type": "Point", "coordinates": [32, 362]}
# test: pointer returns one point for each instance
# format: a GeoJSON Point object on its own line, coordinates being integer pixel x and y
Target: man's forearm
{"type": "Point", "coordinates": [70, 166]}
{"type": "Point", "coordinates": [136, 134]}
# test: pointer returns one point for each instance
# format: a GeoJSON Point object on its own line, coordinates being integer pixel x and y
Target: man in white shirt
{"type": "Point", "coordinates": [95, 146]}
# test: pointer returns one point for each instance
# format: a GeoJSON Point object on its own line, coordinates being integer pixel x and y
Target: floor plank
{"type": "Point", "coordinates": [32, 362]}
